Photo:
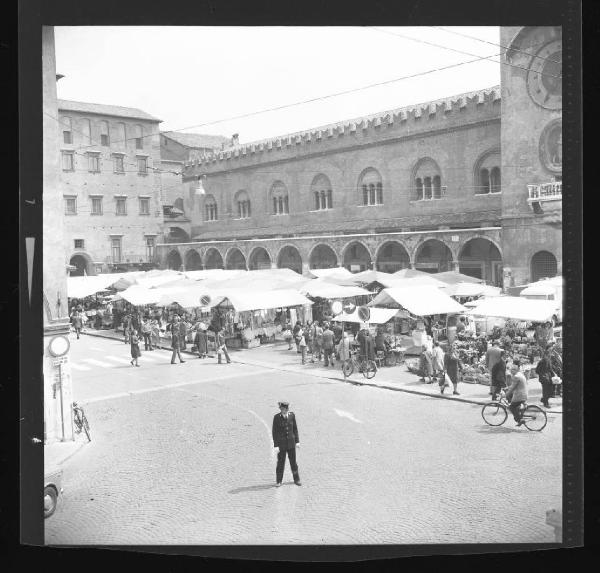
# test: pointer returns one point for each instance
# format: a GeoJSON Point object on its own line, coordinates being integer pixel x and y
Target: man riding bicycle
{"type": "Point", "coordinates": [516, 393]}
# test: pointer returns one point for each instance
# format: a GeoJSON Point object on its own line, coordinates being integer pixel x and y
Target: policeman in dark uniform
{"type": "Point", "coordinates": [285, 437]}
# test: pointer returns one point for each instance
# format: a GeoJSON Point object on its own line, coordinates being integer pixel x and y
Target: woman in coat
{"type": "Point", "coordinates": [201, 342]}
{"type": "Point", "coordinates": [453, 367]}
{"type": "Point", "coordinates": [545, 373]}
{"type": "Point", "coordinates": [426, 364]}
{"type": "Point", "coordinates": [135, 348]}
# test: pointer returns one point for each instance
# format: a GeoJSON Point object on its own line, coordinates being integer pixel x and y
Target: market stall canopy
{"type": "Point", "coordinates": [542, 288]}
{"type": "Point", "coordinates": [158, 278]}
{"type": "Point", "coordinates": [516, 308]}
{"type": "Point", "coordinates": [416, 281]}
{"type": "Point", "coordinates": [324, 289]}
{"type": "Point", "coordinates": [368, 277]}
{"type": "Point", "coordinates": [470, 289]}
{"type": "Point", "coordinates": [420, 301]}
{"type": "Point", "coordinates": [187, 297]}
{"type": "Point", "coordinates": [333, 273]}
{"type": "Point", "coordinates": [139, 295]}
{"type": "Point", "coordinates": [245, 299]}
{"type": "Point", "coordinates": [378, 316]}
{"type": "Point", "coordinates": [80, 287]}
{"type": "Point", "coordinates": [218, 274]}
{"type": "Point", "coordinates": [409, 273]}
{"type": "Point", "coordinates": [453, 277]}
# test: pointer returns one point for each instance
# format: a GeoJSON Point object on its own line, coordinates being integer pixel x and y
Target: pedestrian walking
{"type": "Point", "coordinates": [437, 360]}
{"type": "Point", "coordinates": [328, 347]}
{"type": "Point", "coordinates": [517, 391]}
{"type": "Point", "coordinates": [296, 333]}
{"type": "Point", "coordinates": [201, 340]}
{"type": "Point", "coordinates": [221, 347]}
{"type": "Point", "coordinates": [135, 347]}
{"type": "Point", "coordinates": [154, 334]}
{"type": "Point", "coordinates": [308, 336]}
{"type": "Point", "coordinates": [287, 336]}
{"type": "Point", "coordinates": [77, 322]}
{"type": "Point", "coordinates": [492, 355]}
{"type": "Point", "coordinates": [343, 348]}
{"type": "Point", "coordinates": [175, 340]}
{"type": "Point", "coordinates": [317, 340]}
{"type": "Point", "coordinates": [498, 375]}
{"type": "Point", "coordinates": [453, 367]}
{"type": "Point", "coordinates": [147, 333]}
{"type": "Point", "coordinates": [545, 373]}
{"type": "Point", "coordinates": [426, 364]}
{"type": "Point", "coordinates": [285, 437]}
{"type": "Point", "coordinates": [302, 346]}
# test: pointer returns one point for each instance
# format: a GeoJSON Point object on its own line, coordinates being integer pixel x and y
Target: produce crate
{"type": "Point", "coordinates": [251, 343]}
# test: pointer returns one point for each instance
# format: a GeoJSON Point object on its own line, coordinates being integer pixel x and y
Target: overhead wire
{"type": "Point", "coordinates": [319, 98]}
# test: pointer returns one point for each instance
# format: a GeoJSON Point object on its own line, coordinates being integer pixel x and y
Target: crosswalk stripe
{"type": "Point", "coordinates": [97, 362]}
{"type": "Point", "coordinates": [119, 359]}
{"type": "Point", "coordinates": [79, 366]}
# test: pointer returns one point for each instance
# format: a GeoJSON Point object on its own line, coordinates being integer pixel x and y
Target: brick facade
{"type": "Point", "coordinates": [111, 182]}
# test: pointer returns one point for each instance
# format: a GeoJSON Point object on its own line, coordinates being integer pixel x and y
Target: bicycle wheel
{"type": "Point", "coordinates": [369, 369]}
{"type": "Point", "coordinates": [494, 414]}
{"type": "Point", "coordinates": [348, 367]}
{"type": "Point", "coordinates": [534, 418]}
{"type": "Point", "coordinates": [86, 427]}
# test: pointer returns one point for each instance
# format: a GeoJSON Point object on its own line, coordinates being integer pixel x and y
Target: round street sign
{"type": "Point", "coordinates": [336, 307]}
{"type": "Point", "coordinates": [205, 300]}
{"type": "Point", "coordinates": [349, 307]}
{"type": "Point", "coordinates": [364, 313]}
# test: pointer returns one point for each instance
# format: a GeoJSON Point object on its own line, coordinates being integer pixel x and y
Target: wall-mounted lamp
{"type": "Point", "coordinates": [199, 189]}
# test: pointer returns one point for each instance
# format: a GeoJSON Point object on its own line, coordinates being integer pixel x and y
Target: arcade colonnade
{"type": "Point", "coordinates": [476, 252]}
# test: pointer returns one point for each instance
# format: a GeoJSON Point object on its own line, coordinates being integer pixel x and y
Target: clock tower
{"type": "Point", "coordinates": [531, 149]}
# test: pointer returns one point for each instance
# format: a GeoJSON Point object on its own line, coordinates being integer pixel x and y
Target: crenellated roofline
{"type": "Point", "coordinates": [363, 123]}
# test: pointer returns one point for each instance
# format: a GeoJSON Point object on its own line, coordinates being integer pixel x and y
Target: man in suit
{"type": "Point", "coordinates": [492, 356]}
{"type": "Point", "coordinates": [285, 437]}
{"type": "Point", "coordinates": [517, 392]}
{"type": "Point", "coordinates": [175, 340]}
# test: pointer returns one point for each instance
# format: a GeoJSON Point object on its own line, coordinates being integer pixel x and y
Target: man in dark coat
{"type": "Point", "coordinates": [498, 377]}
{"type": "Point", "coordinates": [453, 366]}
{"type": "Point", "coordinates": [285, 437]}
{"type": "Point", "coordinates": [545, 373]}
{"type": "Point", "coordinates": [175, 340]}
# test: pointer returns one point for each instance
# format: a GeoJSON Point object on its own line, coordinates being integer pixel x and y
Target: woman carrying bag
{"type": "Point", "coordinates": [453, 367]}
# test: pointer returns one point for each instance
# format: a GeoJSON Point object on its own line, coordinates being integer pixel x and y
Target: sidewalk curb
{"type": "Point", "coordinates": [340, 379]}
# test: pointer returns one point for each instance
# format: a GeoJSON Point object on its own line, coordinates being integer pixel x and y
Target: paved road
{"type": "Point", "coordinates": [182, 454]}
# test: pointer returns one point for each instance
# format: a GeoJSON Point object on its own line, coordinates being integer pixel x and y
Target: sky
{"type": "Point", "coordinates": [192, 78]}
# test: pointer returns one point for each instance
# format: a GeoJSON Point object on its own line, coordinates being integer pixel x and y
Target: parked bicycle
{"type": "Point", "coordinates": [80, 420]}
{"type": "Point", "coordinates": [367, 368]}
{"type": "Point", "coordinates": [495, 413]}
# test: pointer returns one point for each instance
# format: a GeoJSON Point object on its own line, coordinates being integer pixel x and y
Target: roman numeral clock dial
{"type": "Point", "coordinates": [544, 79]}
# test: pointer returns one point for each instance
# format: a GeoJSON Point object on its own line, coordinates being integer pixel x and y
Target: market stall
{"type": "Point", "coordinates": [251, 317]}
{"type": "Point", "coordinates": [423, 307]}
{"type": "Point", "coordinates": [323, 293]}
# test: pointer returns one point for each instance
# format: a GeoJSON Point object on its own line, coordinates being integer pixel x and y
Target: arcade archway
{"type": "Point", "coordinates": [481, 259]}
{"type": "Point", "coordinates": [357, 258]}
{"type": "Point", "coordinates": [174, 261]}
{"type": "Point", "coordinates": [259, 259]}
{"type": "Point", "coordinates": [193, 261]}
{"type": "Point", "coordinates": [82, 266]}
{"type": "Point", "coordinates": [235, 260]}
{"type": "Point", "coordinates": [433, 256]}
{"type": "Point", "coordinates": [289, 258]}
{"type": "Point", "coordinates": [392, 257]}
{"type": "Point", "coordinates": [323, 257]}
{"type": "Point", "coordinates": [213, 259]}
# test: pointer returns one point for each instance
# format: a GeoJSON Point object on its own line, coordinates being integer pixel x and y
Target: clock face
{"type": "Point", "coordinates": [544, 79]}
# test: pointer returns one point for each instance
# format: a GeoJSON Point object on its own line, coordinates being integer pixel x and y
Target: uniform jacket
{"type": "Point", "coordinates": [285, 432]}
{"type": "Point", "coordinates": [517, 391]}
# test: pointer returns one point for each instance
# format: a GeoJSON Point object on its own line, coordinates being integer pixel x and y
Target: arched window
{"type": "Point", "coordinates": [243, 205]}
{"type": "Point", "coordinates": [104, 134]}
{"type": "Point", "coordinates": [484, 181]}
{"type": "Point", "coordinates": [371, 188]}
{"type": "Point", "coordinates": [279, 198]}
{"type": "Point", "coordinates": [543, 265]}
{"type": "Point", "coordinates": [121, 135]}
{"type": "Point", "coordinates": [495, 183]}
{"type": "Point", "coordinates": [86, 130]}
{"type": "Point", "coordinates": [67, 130]}
{"type": "Point", "coordinates": [139, 136]}
{"type": "Point", "coordinates": [321, 190]}
{"type": "Point", "coordinates": [210, 208]}
{"type": "Point", "coordinates": [427, 179]}
{"type": "Point", "coordinates": [419, 186]}
{"type": "Point", "coordinates": [487, 174]}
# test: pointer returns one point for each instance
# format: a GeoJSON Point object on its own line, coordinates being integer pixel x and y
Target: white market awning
{"type": "Point", "coordinates": [420, 301]}
{"type": "Point", "coordinates": [334, 273]}
{"type": "Point", "coordinates": [138, 295]}
{"type": "Point", "coordinates": [242, 300]}
{"type": "Point", "coordinates": [378, 316]}
{"type": "Point", "coordinates": [471, 289]}
{"type": "Point", "coordinates": [516, 308]}
{"type": "Point", "coordinates": [80, 287]}
{"type": "Point", "coordinates": [453, 277]}
{"type": "Point", "coordinates": [325, 289]}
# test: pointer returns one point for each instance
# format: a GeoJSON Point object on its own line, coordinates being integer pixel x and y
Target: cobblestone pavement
{"type": "Point", "coordinates": [183, 455]}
